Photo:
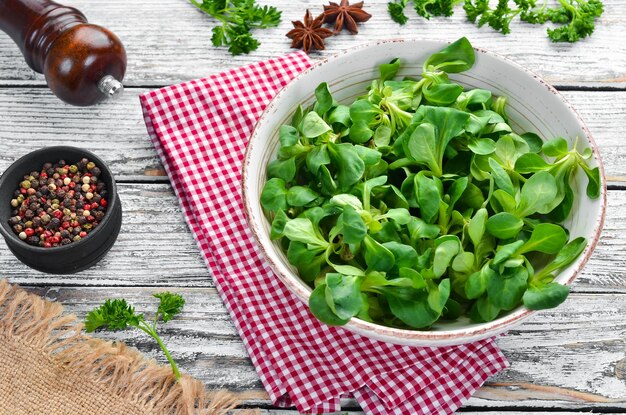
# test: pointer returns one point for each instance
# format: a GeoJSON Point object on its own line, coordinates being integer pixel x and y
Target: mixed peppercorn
{"type": "Point", "coordinates": [59, 205]}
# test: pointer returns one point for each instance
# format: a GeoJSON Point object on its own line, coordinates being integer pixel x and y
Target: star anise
{"type": "Point", "coordinates": [345, 15]}
{"type": "Point", "coordinates": [310, 34]}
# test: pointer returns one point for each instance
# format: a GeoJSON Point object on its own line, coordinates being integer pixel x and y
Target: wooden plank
{"type": "Point", "coordinates": [155, 248]}
{"type": "Point", "coordinates": [169, 40]}
{"type": "Point", "coordinates": [33, 118]}
{"type": "Point", "coordinates": [605, 270]}
{"type": "Point", "coordinates": [571, 357]}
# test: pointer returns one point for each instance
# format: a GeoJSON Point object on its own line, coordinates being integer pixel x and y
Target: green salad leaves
{"type": "Point", "coordinates": [419, 202]}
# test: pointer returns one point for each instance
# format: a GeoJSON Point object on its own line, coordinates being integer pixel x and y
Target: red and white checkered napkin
{"type": "Point", "coordinates": [200, 130]}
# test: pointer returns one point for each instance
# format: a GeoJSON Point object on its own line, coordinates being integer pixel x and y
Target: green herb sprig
{"type": "Point", "coordinates": [238, 18]}
{"type": "Point", "coordinates": [424, 8]}
{"type": "Point", "coordinates": [576, 17]}
{"type": "Point", "coordinates": [119, 315]}
{"type": "Point", "coordinates": [418, 202]}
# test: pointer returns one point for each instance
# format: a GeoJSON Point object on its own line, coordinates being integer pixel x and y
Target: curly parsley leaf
{"type": "Point", "coordinates": [475, 9]}
{"type": "Point", "coordinates": [114, 315]}
{"type": "Point", "coordinates": [498, 18]}
{"type": "Point", "coordinates": [171, 304]}
{"type": "Point", "coordinates": [237, 20]}
{"type": "Point", "coordinates": [577, 17]}
{"type": "Point", "coordinates": [428, 8]}
{"type": "Point", "coordinates": [582, 17]}
{"type": "Point", "coordinates": [424, 8]}
{"type": "Point", "coordinates": [396, 11]}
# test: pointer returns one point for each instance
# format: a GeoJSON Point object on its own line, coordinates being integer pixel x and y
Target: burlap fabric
{"type": "Point", "coordinates": [49, 366]}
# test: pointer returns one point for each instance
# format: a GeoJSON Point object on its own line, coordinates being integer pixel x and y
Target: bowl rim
{"type": "Point", "coordinates": [407, 336]}
{"type": "Point", "coordinates": [112, 199]}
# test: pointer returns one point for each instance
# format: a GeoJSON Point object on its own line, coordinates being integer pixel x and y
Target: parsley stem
{"type": "Point", "coordinates": [152, 333]}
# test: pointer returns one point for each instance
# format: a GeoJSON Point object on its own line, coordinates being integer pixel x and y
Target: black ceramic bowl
{"type": "Point", "coordinates": [76, 256]}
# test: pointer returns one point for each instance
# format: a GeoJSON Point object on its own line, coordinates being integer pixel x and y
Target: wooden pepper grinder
{"type": "Point", "coordinates": [83, 63]}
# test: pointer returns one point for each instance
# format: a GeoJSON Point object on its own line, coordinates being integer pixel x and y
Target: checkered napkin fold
{"type": "Point", "coordinates": [200, 129]}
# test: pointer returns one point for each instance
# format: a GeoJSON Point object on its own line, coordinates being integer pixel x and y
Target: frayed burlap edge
{"type": "Point", "coordinates": [33, 322]}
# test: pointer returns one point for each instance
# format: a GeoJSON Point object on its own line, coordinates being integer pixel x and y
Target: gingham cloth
{"type": "Point", "coordinates": [200, 129]}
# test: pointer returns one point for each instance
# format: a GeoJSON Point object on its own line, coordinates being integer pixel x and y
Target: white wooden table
{"type": "Point", "coordinates": [569, 360]}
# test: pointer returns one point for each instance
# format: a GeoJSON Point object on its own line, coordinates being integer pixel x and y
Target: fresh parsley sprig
{"type": "Point", "coordinates": [237, 19]}
{"type": "Point", "coordinates": [396, 11]}
{"type": "Point", "coordinates": [119, 315]}
{"type": "Point", "coordinates": [498, 18]}
{"type": "Point", "coordinates": [424, 8]}
{"type": "Point", "coordinates": [577, 17]}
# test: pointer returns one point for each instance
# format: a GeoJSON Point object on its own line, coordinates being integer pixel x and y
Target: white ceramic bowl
{"type": "Point", "coordinates": [533, 106]}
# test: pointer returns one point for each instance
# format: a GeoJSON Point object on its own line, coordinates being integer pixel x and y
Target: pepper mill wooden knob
{"type": "Point", "coordinates": [83, 63]}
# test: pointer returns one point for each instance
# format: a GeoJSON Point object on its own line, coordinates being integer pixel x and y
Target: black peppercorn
{"type": "Point", "coordinates": [61, 204]}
